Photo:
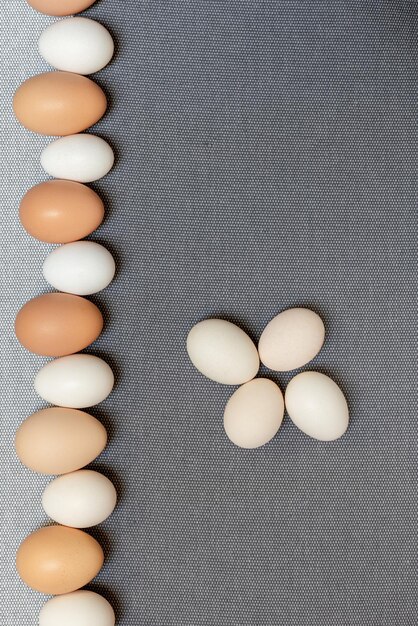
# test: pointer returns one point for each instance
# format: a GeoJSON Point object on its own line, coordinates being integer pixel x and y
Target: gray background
{"type": "Point", "coordinates": [266, 158]}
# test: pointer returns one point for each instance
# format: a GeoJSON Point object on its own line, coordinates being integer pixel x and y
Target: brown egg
{"type": "Point", "coordinates": [59, 103]}
{"type": "Point", "coordinates": [60, 7]}
{"type": "Point", "coordinates": [58, 441]}
{"type": "Point", "coordinates": [61, 211]}
{"type": "Point", "coordinates": [57, 324]}
{"type": "Point", "coordinates": [58, 559]}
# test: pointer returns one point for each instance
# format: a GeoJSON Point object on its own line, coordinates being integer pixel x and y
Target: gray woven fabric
{"type": "Point", "coordinates": [266, 158]}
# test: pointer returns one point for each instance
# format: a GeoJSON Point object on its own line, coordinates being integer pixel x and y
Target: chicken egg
{"type": "Point", "coordinates": [77, 381]}
{"type": "Point", "coordinates": [79, 608]}
{"type": "Point", "coordinates": [82, 158]}
{"type": "Point", "coordinates": [60, 7]}
{"type": "Point", "coordinates": [76, 44]}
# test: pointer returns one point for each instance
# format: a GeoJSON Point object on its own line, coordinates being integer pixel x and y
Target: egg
{"type": "Point", "coordinates": [82, 267]}
{"type": "Point", "coordinates": [58, 559]}
{"type": "Point", "coordinates": [291, 339]}
{"type": "Point", "coordinates": [60, 7]}
{"type": "Point", "coordinates": [222, 352]}
{"type": "Point", "coordinates": [58, 324]}
{"type": "Point", "coordinates": [317, 406]}
{"type": "Point", "coordinates": [79, 608]}
{"type": "Point", "coordinates": [254, 413]}
{"type": "Point", "coordinates": [77, 381]}
{"type": "Point", "coordinates": [58, 440]}
{"type": "Point", "coordinates": [59, 103]}
{"type": "Point", "coordinates": [60, 211]}
{"type": "Point", "coordinates": [82, 158]}
{"type": "Point", "coordinates": [76, 44]}
{"type": "Point", "coordinates": [79, 499]}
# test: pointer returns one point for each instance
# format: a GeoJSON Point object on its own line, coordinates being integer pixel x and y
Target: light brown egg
{"type": "Point", "coordinates": [59, 441]}
{"type": "Point", "coordinates": [57, 559]}
{"type": "Point", "coordinates": [60, 7]}
{"type": "Point", "coordinates": [58, 324]}
{"type": "Point", "coordinates": [59, 103]}
{"type": "Point", "coordinates": [61, 211]}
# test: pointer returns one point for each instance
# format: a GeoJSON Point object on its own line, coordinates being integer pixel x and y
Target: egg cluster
{"type": "Point", "coordinates": [224, 353]}
{"type": "Point", "coordinates": [61, 440]}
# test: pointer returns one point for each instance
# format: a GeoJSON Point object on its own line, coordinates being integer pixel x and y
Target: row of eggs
{"type": "Point", "coordinates": [60, 559]}
{"type": "Point", "coordinates": [224, 353]}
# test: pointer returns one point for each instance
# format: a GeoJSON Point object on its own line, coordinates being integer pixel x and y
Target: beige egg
{"type": "Point", "coordinates": [58, 440]}
{"type": "Point", "coordinates": [222, 352]}
{"type": "Point", "coordinates": [317, 406]}
{"type": "Point", "coordinates": [254, 413]}
{"type": "Point", "coordinates": [291, 339]}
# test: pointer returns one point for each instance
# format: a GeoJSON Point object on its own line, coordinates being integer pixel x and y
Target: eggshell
{"type": "Point", "coordinates": [79, 608]}
{"type": "Point", "coordinates": [57, 559]}
{"type": "Point", "coordinates": [60, 7]}
{"type": "Point", "coordinates": [291, 339]}
{"type": "Point", "coordinates": [60, 211]}
{"type": "Point", "coordinates": [59, 103]}
{"type": "Point", "coordinates": [254, 413]}
{"type": "Point", "coordinates": [76, 44]}
{"type": "Point", "coordinates": [58, 440]}
{"type": "Point", "coordinates": [80, 499]}
{"type": "Point", "coordinates": [77, 381]}
{"type": "Point", "coordinates": [83, 158]}
{"type": "Point", "coordinates": [82, 267]}
{"type": "Point", "coordinates": [222, 352]}
{"type": "Point", "coordinates": [317, 406]}
{"type": "Point", "coordinates": [57, 324]}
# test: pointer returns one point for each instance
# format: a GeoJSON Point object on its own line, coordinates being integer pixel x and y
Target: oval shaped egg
{"type": "Point", "coordinates": [60, 7]}
{"type": "Point", "coordinates": [79, 608]}
{"type": "Point", "coordinates": [60, 211]}
{"type": "Point", "coordinates": [58, 440]}
{"type": "Point", "coordinates": [254, 413]}
{"type": "Point", "coordinates": [317, 406]}
{"type": "Point", "coordinates": [76, 44]}
{"type": "Point", "coordinates": [57, 324]}
{"type": "Point", "coordinates": [58, 559]}
{"type": "Point", "coordinates": [79, 499]}
{"type": "Point", "coordinates": [222, 352]}
{"type": "Point", "coordinates": [82, 267]}
{"type": "Point", "coordinates": [59, 103]}
{"type": "Point", "coordinates": [77, 381]}
{"type": "Point", "coordinates": [291, 339]}
{"type": "Point", "coordinates": [83, 158]}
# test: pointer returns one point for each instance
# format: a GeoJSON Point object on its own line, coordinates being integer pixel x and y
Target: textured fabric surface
{"type": "Point", "coordinates": [266, 158]}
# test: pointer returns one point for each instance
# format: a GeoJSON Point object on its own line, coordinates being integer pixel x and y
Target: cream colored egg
{"type": "Point", "coordinates": [291, 339]}
{"type": "Point", "coordinates": [254, 413]}
{"type": "Point", "coordinates": [317, 406]}
{"type": "Point", "coordinates": [80, 499]}
{"type": "Point", "coordinates": [83, 158]}
{"type": "Point", "coordinates": [222, 352]}
{"type": "Point", "coordinates": [80, 608]}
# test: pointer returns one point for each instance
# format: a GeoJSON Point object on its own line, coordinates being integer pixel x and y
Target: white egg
{"type": "Point", "coordinates": [254, 413]}
{"type": "Point", "coordinates": [76, 381]}
{"type": "Point", "coordinates": [82, 158]}
{"type": "Point", "coordinates": [80, 499]}
{"type": "Point", "coordinates": [82, 268]}
{"type": "Point", "coordinates": [291, 339]}
{"type": "Point", "coordinates": [77, 45]}
{"type": "Point", "coordinates": [80, 608]}
{"type": "Point", "coordinates": [222, 352]}
{"type": "Point", "coordinates": [317, 406]}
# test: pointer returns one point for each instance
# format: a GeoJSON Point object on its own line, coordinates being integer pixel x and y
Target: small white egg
{"type": "Point", "coordinates": [254, 413]}
{"type": "Point", "coordinates": [79, 608]}
{"type": "Point", "coordinates": [76, 381]}
{"type": "Point", "coordinates": [81, 268]}
{"type": "Point", "coordinates": [222, 352]}
{"type": "Point", "coordinates": [76, 44]}
{"type": "Point", "coordinates": [291, 339]}
{"type": "Point", "coordinates": [80, 499]}
{"type": "Point", "coordinates": [317, 406]}
{"type": "Point", "coordinates": [82, 158]}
